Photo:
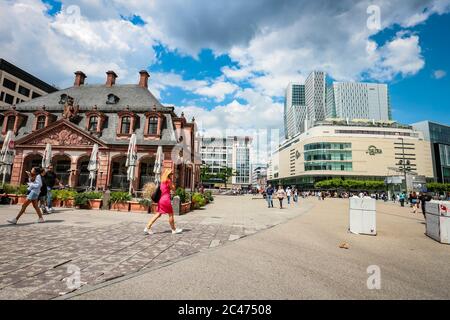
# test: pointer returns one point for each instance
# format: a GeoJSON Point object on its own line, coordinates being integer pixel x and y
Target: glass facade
{"type": "Point", "coordinates": [328, 156]}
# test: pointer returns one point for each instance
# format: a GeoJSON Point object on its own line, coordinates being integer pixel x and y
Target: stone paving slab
{"type": "Point", "coordinates": [37, 260]}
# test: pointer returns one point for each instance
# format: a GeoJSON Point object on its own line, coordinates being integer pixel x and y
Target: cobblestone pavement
{"type": "Point", "coordinates": [41, 261]}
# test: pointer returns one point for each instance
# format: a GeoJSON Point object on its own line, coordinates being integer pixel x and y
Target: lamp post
{"type": "Point", "coordinates": [404, 164]}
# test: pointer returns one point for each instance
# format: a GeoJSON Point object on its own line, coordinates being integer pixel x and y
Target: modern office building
{"type": "Point", "coordinates": [438, 135]}
{"type": "Point", "coordinates": [17, 85]}
{"type": "Point", "coordinates": [231, 152]}
{"type": "Point", "coordinates": [259, 176]}
{"type": "Point", "coordinates": [356, 100]}
{"type": "Point", "coordinates": [352, 150]}
{"type": "Point", "coordinates": [295, 109]}
{"type": "Point", "coordinates": [315, 96]}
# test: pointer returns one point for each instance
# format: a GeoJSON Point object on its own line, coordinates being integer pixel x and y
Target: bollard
{"type": "Point", "coordinates": [176, 206]}
{"type": "Point", "coordinates": [106, 197]}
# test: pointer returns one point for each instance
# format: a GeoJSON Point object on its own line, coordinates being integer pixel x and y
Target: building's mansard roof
{"type": "Point", "coordinates": [132, 97]}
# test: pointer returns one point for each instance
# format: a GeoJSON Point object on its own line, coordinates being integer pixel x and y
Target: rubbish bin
{"type": "Point", "coordinates": [363, 216]}
{"type": "Point", "coordinates": [437, 215]}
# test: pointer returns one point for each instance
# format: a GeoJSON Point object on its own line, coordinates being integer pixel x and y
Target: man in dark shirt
{"type": "Point", "coordinates": [424, 198]}
{"type": "Point", "coordinates": [269, 194]}
{"type": "Point", "coordinates": [50, 181]}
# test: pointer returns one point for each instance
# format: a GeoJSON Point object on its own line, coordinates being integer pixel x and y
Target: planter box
{"type": "Point", "coordinates": [13, 198]}
{"type": "Point", "coordinates": [95, 204]}
{"type": "Point", "coordinates": [137, 207]}
{"type": "Point", "coordinates": [185, 207]}
{"type": "Point", "coordinates": [120, 206]}
{"type": "Point", "coordinates": [21, 199]}
{"type": "Point", "coordinates": [69, 203]}
{"type": "Point", "coordinates": [57, 203]}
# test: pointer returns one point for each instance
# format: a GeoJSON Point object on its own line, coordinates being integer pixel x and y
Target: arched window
{"type": "Point", "coordinates": [152, 125]}
{"type": "Point", "coordinates": [10, 123]}
{"type": "Point", "coordinates": [125, 125]}
{"type": "Point", "coordinates": [40, 124]}
{"type": "Point", "coordinates": [93, 123]}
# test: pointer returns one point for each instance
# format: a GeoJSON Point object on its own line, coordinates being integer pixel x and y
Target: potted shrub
{"type": "Point", "coordinates": [21, 194]}
{"type": "Point", "coordinates": [95, 199]}
{"type": "Point", "coordinates": [11, 192]}
{"type": "Point", "coordinates": [198, 200]}
{"type": "Point", "coordinates": [81, 200]}
{"type": "Point", "coordinates": [185, 204]}
{"type": "Point", "coordinates": [119, 201]}
{"type": "Point", "coordinates": [209, 196]}
{"type": "Point", "coordinates": [140, 205]}
{"type": "Point", "coordinates": [56, 198]}
{"type": "Point", "coordinates": [67, 197]}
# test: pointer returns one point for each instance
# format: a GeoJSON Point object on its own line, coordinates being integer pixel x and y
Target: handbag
{"type": "Point", "coordinates": [156, 195]}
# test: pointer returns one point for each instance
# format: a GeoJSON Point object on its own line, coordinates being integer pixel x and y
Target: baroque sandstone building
{"type": "Point", "coordinates": [74, 119]}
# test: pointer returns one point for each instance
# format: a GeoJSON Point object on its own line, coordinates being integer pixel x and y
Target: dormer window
{"type": "Point", "coordinates": [125, 125]}
{"type": "Point", "coordinates": [127, 122]}
{"type": "Point", "coordinates": [112, 99]}
{"type": "Point", "coordinates": [93, 123]}
{"type": "Point", "coordinates": [153, 124]}
{"type": "Point", "coordinates": [12, 120]}
{"type": "Point", "coordinates": [63, 99]}
{"type": "Point", "coordinates": [40, 123]}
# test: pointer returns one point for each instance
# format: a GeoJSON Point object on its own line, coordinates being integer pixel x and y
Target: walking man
{"type": "Point", "coordinates": [288, 195]}
{"type": "Point", "coordinates": [50, 181]}
{"type": "Point", "coordinates": [269, 195]}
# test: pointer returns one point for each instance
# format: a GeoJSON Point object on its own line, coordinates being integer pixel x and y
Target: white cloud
{"type": "Point", "coordinates": [439, 74]}
{"type": "Point", "coordinates": [217, 90]}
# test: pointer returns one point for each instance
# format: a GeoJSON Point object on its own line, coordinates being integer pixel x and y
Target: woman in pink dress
{"type": "Point", "coordinates": [164, 203]}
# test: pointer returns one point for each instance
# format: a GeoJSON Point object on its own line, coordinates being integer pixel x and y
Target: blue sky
{"type": "Point", "coordinates": [226, 63]}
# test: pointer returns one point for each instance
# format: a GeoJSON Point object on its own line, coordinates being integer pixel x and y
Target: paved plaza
{"type": "Point", "coordinates": [37, 260]}
{"type": "Point", "coordinates": [236, 248]}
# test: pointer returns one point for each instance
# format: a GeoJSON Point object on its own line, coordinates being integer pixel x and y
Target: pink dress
{"type": "Point", "coordinates": [164, 204]}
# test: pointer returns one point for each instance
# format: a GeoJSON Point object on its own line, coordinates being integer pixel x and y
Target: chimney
{"type": "Point", "coordinates": [143, 81]}
{"type": "Point", "coordinates": [111, 78]}
{"type": "Point", "coordinates": [79, 78]}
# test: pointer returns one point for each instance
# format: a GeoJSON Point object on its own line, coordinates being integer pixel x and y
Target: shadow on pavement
{"type": "Point", "coordinates": [28, 224]}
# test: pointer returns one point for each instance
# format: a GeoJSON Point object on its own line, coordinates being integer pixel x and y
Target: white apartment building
{"type": "Point", "coordinates": [356, 100]}
{"type": "Point", "coordinates": [232, 152]}
{"type": "Point", "coordinates": [315, 95]}
{"type": "Point", "coordinates": [295, 109]}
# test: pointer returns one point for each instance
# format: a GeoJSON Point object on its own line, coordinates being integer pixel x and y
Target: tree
{"type": "Point", "coordinates": [205, 173]}
{"type": "Point", "coordinates": [225, 173]}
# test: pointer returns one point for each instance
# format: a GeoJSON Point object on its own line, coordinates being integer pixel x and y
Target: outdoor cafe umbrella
{"type": "Point", "coordinates": [7, 155]}
{"type": "Point", "coordinates": [47, 158]}
{"type": "Point", "coordinates": [131, 160]}
{"type": "Point", "coordinates": [93, 164]}
{"type": "Point", "coordinates": [158, 164]}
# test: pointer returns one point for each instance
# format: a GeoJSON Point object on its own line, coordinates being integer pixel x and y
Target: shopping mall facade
{"type": "Point", "coordinates": [361, 150]}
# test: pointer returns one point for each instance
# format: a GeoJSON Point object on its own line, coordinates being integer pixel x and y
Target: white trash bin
{"type": "Point", "coordinates": [363, 216]}
{"type": "Point", "coordinates": [437, 215]}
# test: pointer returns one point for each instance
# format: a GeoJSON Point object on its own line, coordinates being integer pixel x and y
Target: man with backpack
{"type": "Point", "coordinates": [269, 195]}
{"type": "Point", "coordinates": [43, 193]}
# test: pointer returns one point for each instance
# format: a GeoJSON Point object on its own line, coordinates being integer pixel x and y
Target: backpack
{"type": "Point", "coordinates": [43, 192]}
{"type": "Point", "coordinates": [156, 195]}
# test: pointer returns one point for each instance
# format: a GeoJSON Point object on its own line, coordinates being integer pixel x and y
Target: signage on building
{"type": "Point", "coordinates": [372, 151]}
{"type": "Point", "coordinates": [298, 155]}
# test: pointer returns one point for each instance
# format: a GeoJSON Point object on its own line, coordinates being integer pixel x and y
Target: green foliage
{"type": "Point", "coordinates": [208, 195]}
{"type": "Point", "coordinates": [64, 194]}
{"type": "Point", "coordinates": [120, 196]}
{"type": "Point", "coordinates": [9, 189]}
{"type": "Point", "coordinates": [81, 199]}
{"type": "Point", "coordinates": [438, 187]}
{"type": "Point", "coordinates": [145, 202]}
{"type": "Point", "coordinates": [339, 184]}
{"type": "Point", "coordinates": [181, 192]}
{"type": "Point", "coordinates": [22, 190]}
{"type": "Point", "coordinates": [205, 173]}
{"type": "Point", "coordinates": [198, 200]}
{"type": "Point", "coordinates": [93, 195]}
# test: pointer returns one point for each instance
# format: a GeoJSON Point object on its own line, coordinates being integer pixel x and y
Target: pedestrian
{"type": "Point", "coordinates": [34, 189]}
{"type": "Point", "coordinates": [414, 202]}
{"type": "Point", "coordinates": [269, 195]}
{"type": "Point", "coordinates": [281, 194]}
{"type": "Point", "coordinates": [288, 195]}
{"type": "Point", "coordinates": [402, 199]}
{"type": "Point", "coordinates": [164, 203]}
{"type": "Point", "coordinates": [423, 199]}
{"type": "Point", "coordinates": [43, 194]}
{"type": "Point", "coordinates": [295, 195]}
{"type": "Point", "coordinates": [319, 195]}
{"type": "Point", "coordinates": [51, 181]}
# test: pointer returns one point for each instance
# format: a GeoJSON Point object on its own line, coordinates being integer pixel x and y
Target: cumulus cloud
{"type": "Point", "coordinates": [439, 74]}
